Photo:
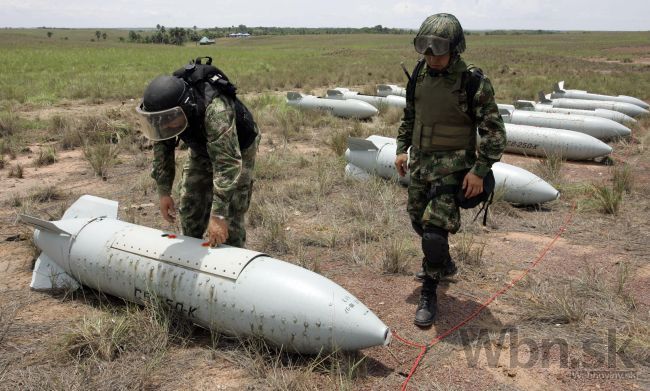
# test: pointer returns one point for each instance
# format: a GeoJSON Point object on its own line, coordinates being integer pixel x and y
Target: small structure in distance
{"type": "Point", "coordinates": [206, 41]}
{"type": "Point", "coordinates": [238, 35]}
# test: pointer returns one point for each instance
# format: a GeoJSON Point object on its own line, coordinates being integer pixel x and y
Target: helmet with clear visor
{"type": "Point", "coordinates": [160, 112]}
{"type": "Point", "coordinates": [162, 125]}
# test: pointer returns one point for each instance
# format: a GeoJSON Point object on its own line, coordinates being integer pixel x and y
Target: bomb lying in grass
{"type": "Point", "coordinates": [231, 290]}
{"type": "Point", "coordinates": [376, 156]}
{"type": "Point", "coordinates": [350, 108]}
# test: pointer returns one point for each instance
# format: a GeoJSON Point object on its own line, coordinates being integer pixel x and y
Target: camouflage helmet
{"type": "Point", "coordinates": [445, 26]}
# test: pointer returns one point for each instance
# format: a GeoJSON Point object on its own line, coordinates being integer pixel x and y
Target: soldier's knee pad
{"type": "Point", "coordinates": [435, 246]}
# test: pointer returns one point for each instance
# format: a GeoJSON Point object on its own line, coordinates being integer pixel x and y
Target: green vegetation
{"type": "Point", "coordinates": [518, 65]}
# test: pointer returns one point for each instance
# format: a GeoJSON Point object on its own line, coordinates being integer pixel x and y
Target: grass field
{"type": "Point", "coordinates": [41, 70]}
{"type": "Point", "coordinates": [67, 128]}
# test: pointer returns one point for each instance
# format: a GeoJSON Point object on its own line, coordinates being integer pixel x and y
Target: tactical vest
{"type": "Point", "coordinates": [441, 119]}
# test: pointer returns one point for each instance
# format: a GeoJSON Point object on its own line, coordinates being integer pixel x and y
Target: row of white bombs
{"type": "Point", "coordinates": [570, 123]}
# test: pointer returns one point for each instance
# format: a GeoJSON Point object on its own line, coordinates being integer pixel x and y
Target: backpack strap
{"type": "Point", "coordinates": [410, 86]}
{"type": "Point", "coordinates": [472, 79]}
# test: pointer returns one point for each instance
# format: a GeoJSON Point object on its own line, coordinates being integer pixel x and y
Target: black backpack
{"type": "Point", "coordinates": [208, 81]}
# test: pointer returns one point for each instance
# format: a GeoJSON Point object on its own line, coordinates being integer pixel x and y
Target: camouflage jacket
{"type": "Point", "coordinates": [490, 128]}
{"type": "Point", "coordinates": [223, 151]}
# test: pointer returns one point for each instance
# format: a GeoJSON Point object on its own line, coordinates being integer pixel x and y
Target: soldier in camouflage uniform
{"type": "Point", "coordinates": [217, 178]}
{"type": "Point", "coordinates": [439, 126]}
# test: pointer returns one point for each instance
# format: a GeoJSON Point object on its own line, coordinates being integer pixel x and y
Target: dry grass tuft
{"type": "Point", "coordinates": [554, 303]}
{"type": "Point", "coordinates": [46, 194]}
{"type": "Point", "coordinates": [338, 139]}
{"type": "Point", "coordinates": [393, 115]}
{"type": "Point", "coordinates": [467, 250]}
{"type": "Point", "coordinates": [9, 124]}
{"type": "Point", "coordinates": [623, 178]}
{"type": "Point", "coordinates": [101, 156]}
{"type": "Point", "coordinates": [46, 156]}
{"type": "Point", "coordinates": [396, 256]}
{"type": "Point", "coordinates": [147, 330]}
{"type": "Point", "coordinates": [16, 171]}
{"type": "Point", "coordinates": [607, 199]}
{"type": "Point", "coordinates": [550, 168]}
{"type": "Point", "coordinates": [278, 369]}
{"type": "Point", "coordinates": [273, 218]}
{"type": "Point", "coordinates": [6, 148]}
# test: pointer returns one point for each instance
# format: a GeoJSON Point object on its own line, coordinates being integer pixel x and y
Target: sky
{"type": "Point", "coordinates": [473, 14]}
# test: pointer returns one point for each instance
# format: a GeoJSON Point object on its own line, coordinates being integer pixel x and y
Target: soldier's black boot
{"type": "Point", "coordinates": [428, 306]}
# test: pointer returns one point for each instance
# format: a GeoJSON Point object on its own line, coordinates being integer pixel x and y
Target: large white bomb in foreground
{"type": "Point", "coordinates": [227, 289]}
{"type": "Point", "coordinates": [349, 108]}
{"type": "Point", "coordinates": [376, 156]}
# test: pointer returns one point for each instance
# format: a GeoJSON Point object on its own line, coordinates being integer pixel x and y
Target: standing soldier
{"type": "Point", "coordinates": [217, 178]}
{"type": "Point", "coordinates": [447, 101]}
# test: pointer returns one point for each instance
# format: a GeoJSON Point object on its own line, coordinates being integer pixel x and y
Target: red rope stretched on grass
{"type": "Point", "coordinates": [507, 287]}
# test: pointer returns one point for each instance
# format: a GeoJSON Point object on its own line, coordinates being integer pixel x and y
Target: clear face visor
{"type": "Point", "coordinates": [438, 46]}
{"type": "Point", "coordinates": [162, 125]}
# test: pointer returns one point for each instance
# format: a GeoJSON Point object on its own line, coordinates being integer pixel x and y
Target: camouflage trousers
{"type": "Point", "coordinates": [439, 212]}
{"type": "Point", "coordinates": [196, 197]}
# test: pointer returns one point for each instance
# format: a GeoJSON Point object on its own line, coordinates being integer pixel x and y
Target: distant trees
{"type": "Point", "coordinates": [104, 36]}
{"type": "Point", "coordinates": [217, 32]}
{"type": "Point", "coordinates": [49, 34]}
{"type": "Point", "coordinates": [98, 34]}
{"type": "Point", "coordinates": [162, 35]}
{"type": "Point", "coordinates": [180, 35]}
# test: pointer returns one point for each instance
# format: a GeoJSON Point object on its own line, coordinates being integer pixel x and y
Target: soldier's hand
{"type": "Point", "coordinates": [217, 231]}
{"type": "Point", "coordinates": [401, 163]}
{"type": "Point", "coordinates": [167, 208]}
{"type": "Point", "coordinates": [473, 185]}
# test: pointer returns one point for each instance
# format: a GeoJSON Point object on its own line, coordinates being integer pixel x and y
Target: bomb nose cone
{"type": "Point", "coordinates": [602, 149]}
{"type": "Point", "coordinates": [622, 130]}
{"type": "Point", "coordinates": [362, 109]}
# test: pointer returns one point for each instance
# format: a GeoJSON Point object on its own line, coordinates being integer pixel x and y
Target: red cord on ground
{"type": "Point", "coordinates": [507, 287]}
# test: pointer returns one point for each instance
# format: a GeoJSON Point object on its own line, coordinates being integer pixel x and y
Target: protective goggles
{"type": "Point", "coordinates": [437, 45]}
{"type": "Point", "coordinates": [162, 125]}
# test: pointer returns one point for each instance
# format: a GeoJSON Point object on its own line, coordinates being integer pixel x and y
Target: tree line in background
{"type": "Point", "coordinates": [180, 35]}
